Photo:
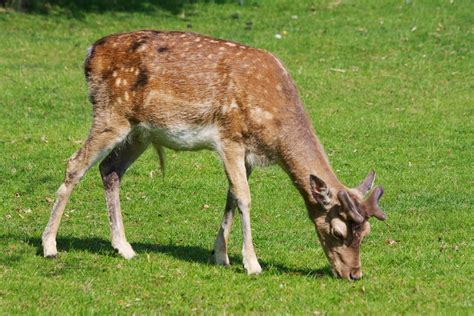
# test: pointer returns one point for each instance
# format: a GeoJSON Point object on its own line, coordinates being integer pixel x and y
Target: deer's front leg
{"type": "Point", "coordinates": [220, 246]}
{"type": "Point", "coordinates": [222, 239]}
{"type": "Point", "coordinates": [234, 162]}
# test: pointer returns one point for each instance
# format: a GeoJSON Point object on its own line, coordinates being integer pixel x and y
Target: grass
{"type": "Point", "coordinates": [388, 86]}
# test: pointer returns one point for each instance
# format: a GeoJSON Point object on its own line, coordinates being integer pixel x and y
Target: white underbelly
{"type": "Point", "coordinates": [185, 138]}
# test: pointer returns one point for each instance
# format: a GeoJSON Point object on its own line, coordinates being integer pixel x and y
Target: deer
{"type": "Point", "coordinates": [185, 91]}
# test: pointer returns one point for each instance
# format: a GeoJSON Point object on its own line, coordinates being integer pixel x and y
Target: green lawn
{"type": "Point", "coordinates": [389, 86]}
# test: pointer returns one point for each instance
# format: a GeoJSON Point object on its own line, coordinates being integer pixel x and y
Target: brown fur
{"type": "Point", "coordinates": [149, 81]}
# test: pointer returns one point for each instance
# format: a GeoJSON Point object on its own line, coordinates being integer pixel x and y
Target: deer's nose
{"type": "Point", "coordinates": [356, 274]}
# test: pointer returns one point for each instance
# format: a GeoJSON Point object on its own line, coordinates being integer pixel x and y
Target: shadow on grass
{"type": "Point", "coordinates": [181, 252]}
{"type": "Point", "coordinates": [79, 8]}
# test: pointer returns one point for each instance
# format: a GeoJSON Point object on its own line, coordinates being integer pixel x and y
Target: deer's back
{"type": "Point", "coordinates": [169, 79]}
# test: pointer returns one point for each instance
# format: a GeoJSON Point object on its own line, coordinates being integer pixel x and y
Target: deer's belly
{"type": "Point", "coordinates": [186, 138]}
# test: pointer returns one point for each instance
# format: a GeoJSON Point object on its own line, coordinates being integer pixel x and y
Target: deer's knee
{"type": "Point", "coordinates": [110, 180]}
{"type": "Point", "coordinates": [242, 200]}
{"type": "Point", "coordinates": [109, 173]}
{"type": "Point", "coordinates": [244, 205]}
{"type": "Point", "coordinates": [73, 171]}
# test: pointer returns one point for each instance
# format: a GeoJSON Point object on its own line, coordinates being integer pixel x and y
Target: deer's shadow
{"type": "Point", "coordinates": [182, 252]}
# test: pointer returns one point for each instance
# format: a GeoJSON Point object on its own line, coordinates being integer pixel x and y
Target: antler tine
{"type": "Point", "coordinates": [349, 206]}
{"type": "Point", "coordinates": [367, 184]}
{"type": "Point", "coordinates": [371, 206]}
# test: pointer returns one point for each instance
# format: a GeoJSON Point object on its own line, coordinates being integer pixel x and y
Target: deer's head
{"type": "Point", "coordinates": [344, 222]}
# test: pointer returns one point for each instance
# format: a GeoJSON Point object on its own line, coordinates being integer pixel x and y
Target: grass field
{"type": "Point", "coordinates": [388, 85]}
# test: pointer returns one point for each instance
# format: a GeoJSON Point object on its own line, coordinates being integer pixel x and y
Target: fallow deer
{"type": "Point", "coordinates": [186, 91]}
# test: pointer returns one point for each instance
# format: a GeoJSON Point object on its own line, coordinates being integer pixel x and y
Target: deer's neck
{"type": "Point", "coordinates": [302, 155]}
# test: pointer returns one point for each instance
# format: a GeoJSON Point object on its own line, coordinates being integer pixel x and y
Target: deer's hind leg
{"type": "Point", "coordinates": [101, 140]}
{"type": "Point", "coordinates": [112, 169]}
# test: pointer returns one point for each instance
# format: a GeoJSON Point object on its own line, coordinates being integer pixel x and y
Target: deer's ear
{"type": "Point", "coordinates": [320, 190]}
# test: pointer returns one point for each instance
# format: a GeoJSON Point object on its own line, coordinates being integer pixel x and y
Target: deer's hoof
{"type": "Point", "coordinates": [252, 267]}
{"type": "Point", "coordinates": [125, 250]}
{"type": "Point", "coordinates": [220, 259]}
{"type": "Point", "coordinates": [49, 249]}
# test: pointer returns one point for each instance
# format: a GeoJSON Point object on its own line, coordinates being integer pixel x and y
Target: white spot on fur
{"type": "Point", "coordinates": [142, 48]}
{"type": "Point", "coordinates": [126, 96]}
{"type": "Point", "coordinates": [222, 48]}
{"type": "Point", "coordinates": [225, 108]}
{"type": "Point", "coordinates": [114, 74]}
{"type": "Point", "coordinates": [233, 105]}
{"type": "Point", "coordinates": [119, 100]}
{"type": "Point", "coordinates": [257, 114]}
{"type": "Point", "coordinates": [117, 82]}
{"type": "Point", "coordinates": [267, 115]}
{"type": "Point", "coordinates": [124, 82]}
{"type": "Point", "coordinates": [137, 72]}
{"type": "Point", "coordinates": [278, 87]}
{"type": "Point", "coordinates": [230, 44]}
{"type": "Point", "coordinates": [260, 116]}
{"type": "Point", "coordinates": [197, 39]}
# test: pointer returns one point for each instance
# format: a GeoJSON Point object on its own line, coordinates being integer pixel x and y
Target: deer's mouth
{"type": "Point", "coordinates": [353, 274]}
